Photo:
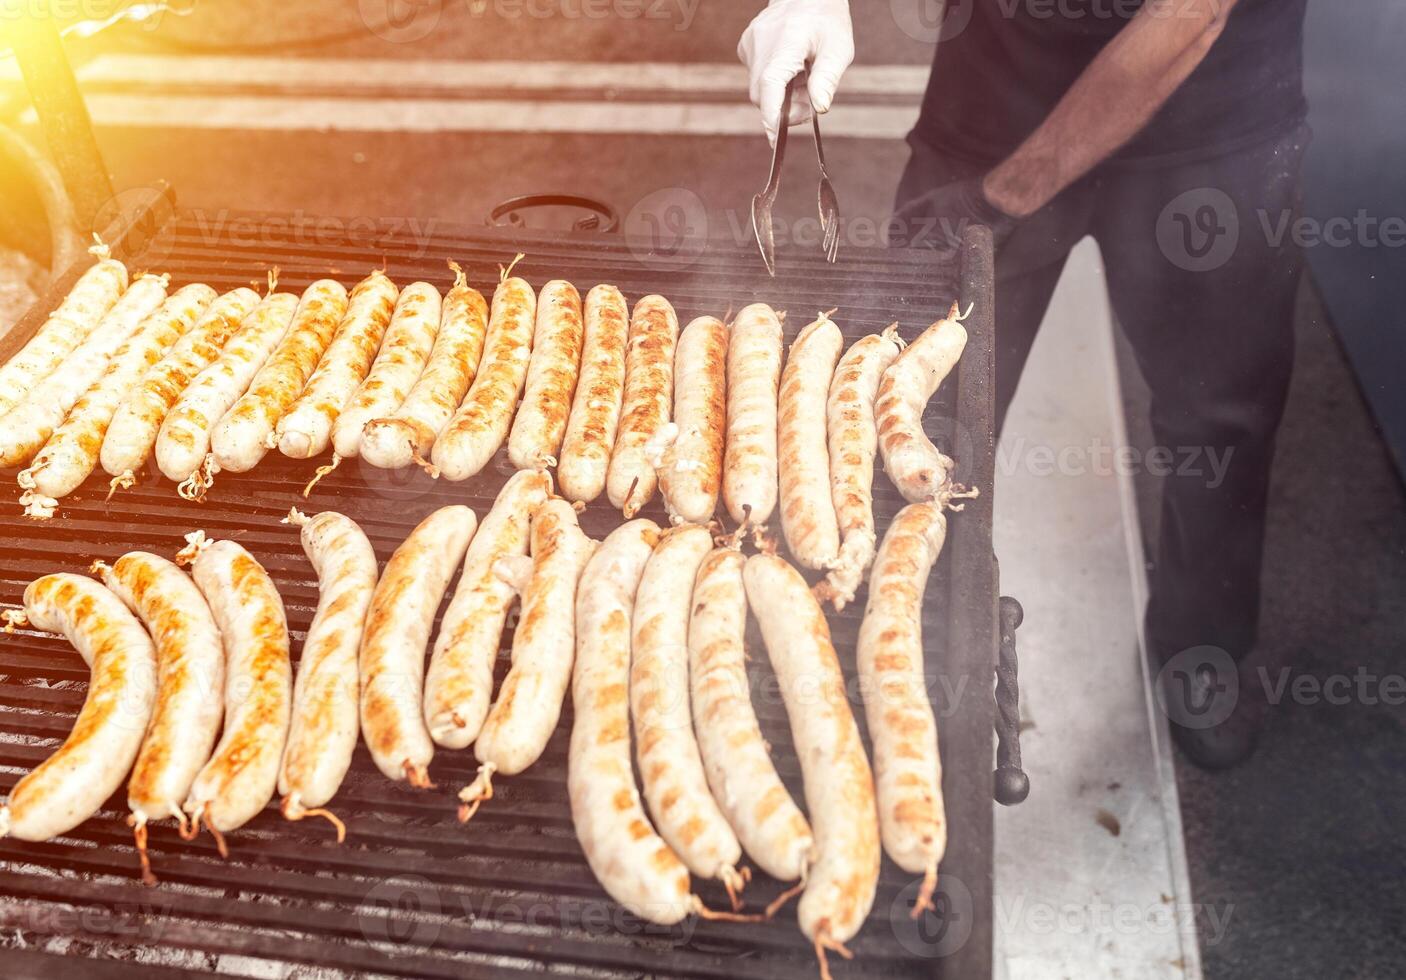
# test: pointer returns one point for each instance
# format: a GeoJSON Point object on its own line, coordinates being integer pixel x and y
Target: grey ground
{"type": "Point", "coordinates": [1304, 841]}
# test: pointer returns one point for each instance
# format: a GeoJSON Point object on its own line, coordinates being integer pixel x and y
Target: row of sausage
{"type": "Point", "coordinates": [619, 402]}
{"type": "Point", "coordinates": [646, 627]}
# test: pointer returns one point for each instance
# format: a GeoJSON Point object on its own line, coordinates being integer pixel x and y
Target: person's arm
{"type": "Point", "coordinates": [1114, 98]}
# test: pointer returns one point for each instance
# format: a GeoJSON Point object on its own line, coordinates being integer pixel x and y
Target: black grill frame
{"type": "Point", "coordinates": [289, 893]}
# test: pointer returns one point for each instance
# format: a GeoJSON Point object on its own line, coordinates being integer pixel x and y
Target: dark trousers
{"type": "Point", "coordinates": [1203, 285]}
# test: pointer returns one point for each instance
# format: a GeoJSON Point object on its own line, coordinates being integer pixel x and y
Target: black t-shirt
{"type": "Point", "coordinates": [1005, 63]}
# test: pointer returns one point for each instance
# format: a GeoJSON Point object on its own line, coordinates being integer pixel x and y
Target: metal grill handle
{"type": "Point", "coordinates": [1012, 785]}
{"type": "Point", "coordinates": [603, 217]}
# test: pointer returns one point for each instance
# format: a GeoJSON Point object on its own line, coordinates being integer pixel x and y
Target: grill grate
{"type": "Point", "coordinates": [412, 892]}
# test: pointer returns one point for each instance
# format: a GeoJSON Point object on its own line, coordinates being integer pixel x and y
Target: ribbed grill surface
{"type": "Point", "coordinates": [412, 892]}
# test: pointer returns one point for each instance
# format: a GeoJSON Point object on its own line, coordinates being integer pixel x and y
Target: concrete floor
{"type": "Point", "coordinates": [1091, 877]}
{"type": "Point", "coordinates": [1303, 844]}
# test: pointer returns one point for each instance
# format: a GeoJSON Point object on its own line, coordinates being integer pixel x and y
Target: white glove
{"type": "Point", "coordinates": [779, 43]}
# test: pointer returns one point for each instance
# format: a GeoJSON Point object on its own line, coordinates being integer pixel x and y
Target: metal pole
{"type": "Point", "coordinates": [63, 116]}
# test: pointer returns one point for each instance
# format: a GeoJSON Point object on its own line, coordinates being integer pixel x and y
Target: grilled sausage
{"type": "Point", "coordinates": [241, 776]}
{"type": "Point", "coordinates": [916, 467]}
{"type": "Point", "coordinates": [69, 786]}
{"type": "Point", "coordinates": [478, 428]}
{"type": "Point", "coordinates": [306, 430]}
{"type": "Point", "coordinates": [68, 326]}
{"type": "Point", "coordinates": [807, 508]}
{"type": "Point", "coordinates": [183, 441]}
{"type": "Point", "coordinates": [392, 658]}
{"type": "Point", "coordinates": [246, 432]}
{"type": "Point", "coordinates": [190, 674]}
{"type": "Point", "coordinates": [529, 704]}
{"type": "Point", "coordinates": [852, 441]}
{"type": "Point", "coordinates": [753, 377]}
{"type": "Point", "coordinates": [740, 772]}
{"type": "Point", "coordinates": [132, 434]}
{"type": "Point", "coordinates": [691, 469]}
{"type": "Point", "coordinates": [901, 722]}
{"type": "Point", "coordinates": [409, 339]}
{"type": "Point", "coordinates": [405, 437]}
{"type": "Point", "coordinates": [459, 683]}
{"type": "Point", "coordinates": [839, 785]}
{"type": "Point", "coordinates": [649, 393]}
{"type": "Point", "coordinates": [629, 859]}
{"type": "Point", "coordinates": [670, 765]}
{"type": "Point", "coordinates": [325, 725]}
{"type": "Point", "coordinates": [72, 451]}
{"type": "Point", "coordinates": [24, 431]}
{"type": "Point", "coordinates": [595, 410]}
{"type": "Point", "coordinates": [540, 424]}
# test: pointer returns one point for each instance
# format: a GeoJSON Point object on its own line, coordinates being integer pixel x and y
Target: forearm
{"type": "Point", "coordinates": [1111, 101]}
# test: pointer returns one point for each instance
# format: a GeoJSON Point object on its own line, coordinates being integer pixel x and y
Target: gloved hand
{"type": "Point", "coordinates": [779, 43]}
{"type": "Point", "coordinates": [938, 218]}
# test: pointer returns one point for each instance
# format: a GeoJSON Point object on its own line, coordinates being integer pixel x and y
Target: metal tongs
{"type": "Point", "coordinates": [829, 203]}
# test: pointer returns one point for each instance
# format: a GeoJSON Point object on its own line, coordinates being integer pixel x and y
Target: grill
{"type": "Point", "coordinates": [412, 892]}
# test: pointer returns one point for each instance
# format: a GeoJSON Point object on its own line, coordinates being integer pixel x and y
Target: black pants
{"type": "Point", "coordinates": [1203, 284]}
